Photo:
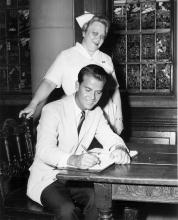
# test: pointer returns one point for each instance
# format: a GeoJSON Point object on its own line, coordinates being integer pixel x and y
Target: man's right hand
{"type": "Point", "coordinates": [29, 110]}
{"type": "Point", "coordinates": [83, 161]}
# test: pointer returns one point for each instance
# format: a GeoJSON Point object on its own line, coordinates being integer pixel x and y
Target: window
{"type": "Point", "coordinates": [14, 47]}
{"type": "Point", "coordinates": [143, 50]}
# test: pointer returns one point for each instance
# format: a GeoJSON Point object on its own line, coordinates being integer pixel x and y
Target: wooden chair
{"type": "Point", "coordinates": [16, 156]}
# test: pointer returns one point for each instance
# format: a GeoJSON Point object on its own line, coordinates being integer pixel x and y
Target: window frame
{"type": "Point", "coordinates": [158, 99]}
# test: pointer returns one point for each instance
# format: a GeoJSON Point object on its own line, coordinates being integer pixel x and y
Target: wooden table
{"type": "Point", "coordinates": [151, 177]}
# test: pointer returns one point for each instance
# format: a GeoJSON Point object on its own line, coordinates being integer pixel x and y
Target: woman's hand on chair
{"type": "Point", "coordinates": [28, 111]}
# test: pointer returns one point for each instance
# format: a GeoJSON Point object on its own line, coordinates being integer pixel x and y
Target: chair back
{"type": "Point", "coordinates": [16, 148]}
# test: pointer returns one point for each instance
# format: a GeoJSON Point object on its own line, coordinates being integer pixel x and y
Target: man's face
{"type": "Point", "coordinates": [94, 36]}
{"type": "Point", "coordinates": [89, 92]}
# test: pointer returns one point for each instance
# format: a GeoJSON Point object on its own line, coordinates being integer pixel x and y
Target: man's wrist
{"type": "Point", "coordinates": [121, 147]}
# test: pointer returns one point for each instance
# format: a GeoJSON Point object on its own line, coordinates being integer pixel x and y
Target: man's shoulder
{"type": "Point", "coordinates": [97, 110]}
{"type": "Point", "coordinates": [56, 104]}
{"type": "Point", "coordinates": [52, 105]}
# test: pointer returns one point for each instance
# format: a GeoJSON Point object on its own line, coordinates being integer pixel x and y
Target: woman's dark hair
{"type": "Point", "coordinates": [94, 70]}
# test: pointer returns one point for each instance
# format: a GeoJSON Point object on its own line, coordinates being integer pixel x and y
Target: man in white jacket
{"type": "Point", "coordinates": [59, 145]}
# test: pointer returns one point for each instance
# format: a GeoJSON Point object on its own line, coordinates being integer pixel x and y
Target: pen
{"type": "Point", "coordinates": [85, 149]}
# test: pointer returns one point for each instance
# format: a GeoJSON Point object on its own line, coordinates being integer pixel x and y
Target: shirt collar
{"type": "Point", "coordinates": [82, 50]}
{"type": "Point", "coordinates": [77, 109]}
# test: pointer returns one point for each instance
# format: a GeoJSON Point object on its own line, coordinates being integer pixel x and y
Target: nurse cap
{"type": "Point", "coordinates": [82, 19]}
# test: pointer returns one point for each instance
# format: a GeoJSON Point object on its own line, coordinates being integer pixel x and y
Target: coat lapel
{"type": "Point", "coordinates": [86, 124]}
{"type": "Point", "coordinates": [71, 122]}
{"type": "Point", "coordinates": [86, 135]}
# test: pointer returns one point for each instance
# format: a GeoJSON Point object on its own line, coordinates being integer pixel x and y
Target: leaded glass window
{"type": "Point", "coordinates": [15, 67]}
{"type": "Point", "coordinates": [143, 49]}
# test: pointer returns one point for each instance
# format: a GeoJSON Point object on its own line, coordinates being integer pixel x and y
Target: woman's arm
{"type": "Point", "coordinates": [115, 114]}
{"type": "Point", "coordinates": [43, 91]}
{"type": "Point", "coordinates": [118, 125]}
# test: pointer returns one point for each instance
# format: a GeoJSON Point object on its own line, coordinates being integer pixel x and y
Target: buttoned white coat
{"type": "Point", "coordinates": [57, 139]}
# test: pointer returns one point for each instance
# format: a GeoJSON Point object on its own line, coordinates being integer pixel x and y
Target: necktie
{"type": "Point", "coordinates": [82, 118]}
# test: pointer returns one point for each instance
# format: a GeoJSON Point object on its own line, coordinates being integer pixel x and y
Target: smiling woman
{"type": "Point", "coordinates": [64, 71]}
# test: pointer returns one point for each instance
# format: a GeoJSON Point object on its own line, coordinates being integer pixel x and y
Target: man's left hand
{"type": "Point", "coordinates": [120, 156]}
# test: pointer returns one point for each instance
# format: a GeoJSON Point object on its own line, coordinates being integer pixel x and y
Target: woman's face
{"type": "Point", "coordinates": [94, 36]}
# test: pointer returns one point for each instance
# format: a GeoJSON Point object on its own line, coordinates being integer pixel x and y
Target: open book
{"type": "Point", "coordinates": [105, 161]}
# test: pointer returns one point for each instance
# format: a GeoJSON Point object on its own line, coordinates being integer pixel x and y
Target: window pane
{"type": "Point", "coordinates": [25, 78]}
{"type": "Point", "coordinates": [148, 46]}
{"type": "Point", "coordinates": [163, 15]}
{"type": "Point", "coordinates": [148, 15]}
{"type": "Point", "coordinates": [134, 77]}
{"type": "Point", "coordinates": [133, 48]}
{"type": "Point", "coordinates": [119, 50]}
{"type": "Point", "coordinates": [24, 51]}
{"type": "Point", "coordinates": [3, 78]}
{"type": "Point", "coordinates": [12, 23]}
{"type": "Point", "coordinates": [119, 19]}
{"type": "Point", "coordinates": [133, 16]}
{"type": "Point", "coordinates": [163, 46]}
{"type": "Point", "coordinates": [24, 22]}
{"type": "Point", "coordinates": [148, 77]}
{"type": "Point", "coordinates": [13, 77]}
{"type": "Point", "coordinates": [2, 25]}
{"type": "Point", "coordinates": [2, 53]}
{"type": "Point", "coordinates": [163, 76]}
{"type": "Point", "coordinates": [13, 51]}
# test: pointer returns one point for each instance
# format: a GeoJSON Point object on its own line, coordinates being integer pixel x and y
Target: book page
{"type": "Point", "coordinates": [105, 161]}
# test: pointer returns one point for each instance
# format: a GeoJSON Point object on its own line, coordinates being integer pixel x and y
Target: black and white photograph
{"type": "Point", "coordinates": [88, 110]}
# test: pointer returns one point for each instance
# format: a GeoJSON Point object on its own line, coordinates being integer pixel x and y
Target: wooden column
{"type": "Point", "coordinates": [51, 32]}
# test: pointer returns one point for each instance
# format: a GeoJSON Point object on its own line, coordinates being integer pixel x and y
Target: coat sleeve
{"type": "Point", "coordinates": [106, 136]}
{"type": "Point", "coordinates": [47, 148]}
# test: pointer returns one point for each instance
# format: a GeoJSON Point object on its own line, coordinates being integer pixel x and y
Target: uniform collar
{"type": "Point", "coordinates": [82, 50]}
